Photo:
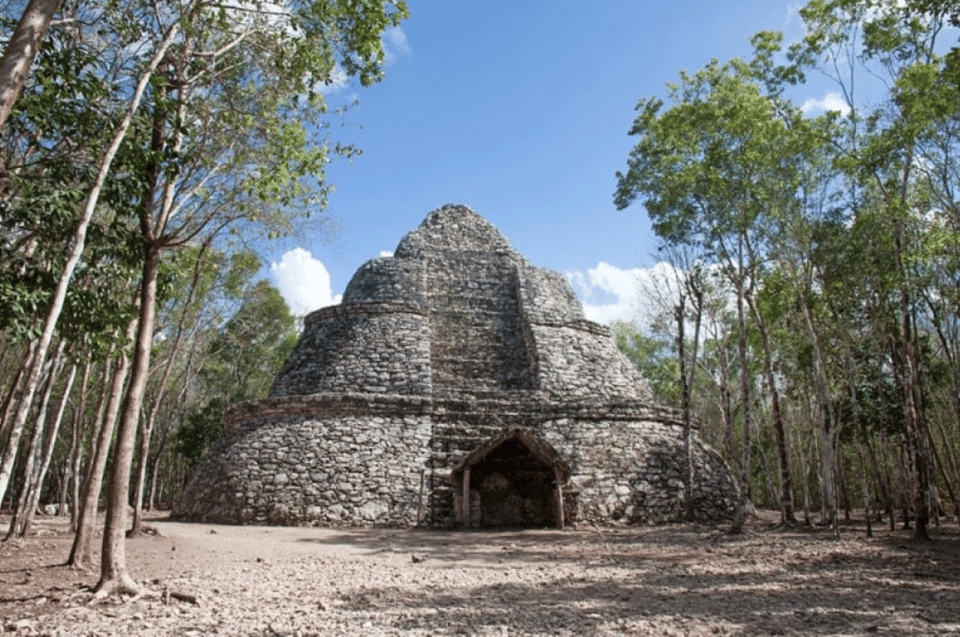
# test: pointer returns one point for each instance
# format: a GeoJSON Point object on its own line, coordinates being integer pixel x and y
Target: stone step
{"type": "Point", "coordinates": [464, 367]}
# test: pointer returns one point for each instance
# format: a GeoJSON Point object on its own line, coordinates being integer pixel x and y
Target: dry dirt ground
{"type": "Point", "coordinates": [676, 580]}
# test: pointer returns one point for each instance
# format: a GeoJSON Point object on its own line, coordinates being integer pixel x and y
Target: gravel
{"type": "Point", "coordinates": [675, 580]}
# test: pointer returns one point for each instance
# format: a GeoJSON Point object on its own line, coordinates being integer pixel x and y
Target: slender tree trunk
{"type": "Point", "coordinates": [114, 576]}
{"type": "Point", "coordinates": [745, 504]}
{"type": "Point", "coordinates": [93, 435]}
{"type": "Point", "coordinates": [78, 243]}
{"type": "Point", "coordinates": [141, 474]}
{"type": "Point", "coordinates": [21, 50]}
{"type": "Point", "coordinates": [34, 452]}
{"type": "Point", "coordinates": [680, 316]}
{"type": "Point", "coordinates": [75, 453]}
{"type": "Point", "coordinates": [880, 478]}
{"type": "Point", "coordinates": [904, 473]}
{"type": "Point", "coordinates": [787, 515]}
{"type": "Point", "coordinates": [745, 457]}
{"type": "Point", "coordinates": [147, 432]}
{"type": "Point", "coordinates": [34, 500]}
{"type": "Point", "coordinates": [948, 451]}
{"type": "Point", "coordinates": [10, 399]}
{"type": "Point", "coordinates": [13, 424]}
{"type": "Point", "coordinates": [726, 408]}
{"type": "Point", "coordinates": [805, 468]}
{"type": "Point", "coordinates": [916, 442]}
{"type": "Point", "coordinates": [155, 461]}
{"type": "Point", "coordinates": [81, 553]}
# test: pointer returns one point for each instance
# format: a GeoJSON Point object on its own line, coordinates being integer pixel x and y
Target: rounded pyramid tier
{"type": "Point", "coordinates": [455, 384]}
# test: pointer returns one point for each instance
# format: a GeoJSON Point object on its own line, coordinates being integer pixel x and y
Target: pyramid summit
{"type": "Point", "coordinates": [455, 384]}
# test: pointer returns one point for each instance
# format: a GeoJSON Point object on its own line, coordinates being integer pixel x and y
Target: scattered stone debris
{"type": "Point", "coordinates": [634, 581]}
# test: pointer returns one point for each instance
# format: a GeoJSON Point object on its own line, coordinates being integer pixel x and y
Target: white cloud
{"type": "Point", "coordinates": [303, 281]}
{"type": "Point", "coordinates": [337, 81]}
{"type": "Point", "coordinates": [609, 293]}
{"type": "Point", "coordinates": [386, 253]}
{"type": "Point", "coordinates": [831, 102]}
{"type": "Point", "coordinates": [395, 44]}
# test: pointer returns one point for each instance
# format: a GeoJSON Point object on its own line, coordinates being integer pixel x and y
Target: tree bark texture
{"type": "Point", "coordinates": [21, 50]}
{"type": "Point", "coordinates": [81, 553]}
{"type": "Point", "coordinates": [114, 576]}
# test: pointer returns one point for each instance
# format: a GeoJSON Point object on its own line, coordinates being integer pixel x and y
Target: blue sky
{"type": "Point", "coordinates": [519, 110]}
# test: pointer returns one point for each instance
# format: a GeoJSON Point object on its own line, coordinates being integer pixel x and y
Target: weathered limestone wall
{"type": "Point", "coordinates": [322, 470]}
{"type": "Point", "coordinates": [432, 354]}
{"type": "Point", "coordinates": [378, 349]}
{"type": "Point", "coordinates": [376, 341]}
{"type": "Point", "coordinates": [572, 358]}
{"type": "Point", "coordinates": [633, 471]}
{"type": "Point", "coordinates": [280, 463]}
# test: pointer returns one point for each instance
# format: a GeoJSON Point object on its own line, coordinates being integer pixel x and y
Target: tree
{"type": "Point", "coordinates": [20, 52]}
{"type": "Point", "coordinates": [252, 346]}
{"type": "Point", "coordinates": [885, 153]}
{"type": "Point", "coordinates": [709, 170]}
{"type": "Point", "coordinates": [237, 92]}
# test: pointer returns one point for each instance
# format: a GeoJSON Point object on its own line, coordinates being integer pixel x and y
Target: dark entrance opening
{"type": "Point", "coordinates": [514, 480]}
{"type": "Point", "coordinates": [515, 488]}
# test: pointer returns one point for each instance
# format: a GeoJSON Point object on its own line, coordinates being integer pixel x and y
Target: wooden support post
{"type": "Point", "coordinates": [465, 501]}
{"type": "Point", "coordinates": [558, 479]}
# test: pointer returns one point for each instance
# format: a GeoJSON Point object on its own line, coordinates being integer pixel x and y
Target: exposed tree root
{"type": "Point", "coordinates": [78, 565]}
{"type": "Point", "coordinates": [124, 585]}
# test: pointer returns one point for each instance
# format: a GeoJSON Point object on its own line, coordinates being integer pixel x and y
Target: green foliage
{"type": "Point", "coordinates": [249, 349]}
{"type": "Point", "coordinates": [50, 144]}
{"type": "Point", "coordinates": [654, 358]}
{"type": "Point", "coordinates": [841, 229]}
{"type": "Point", "coordinates": [199, 432]}
{"type": "Point", "coordinates": [711, 164]}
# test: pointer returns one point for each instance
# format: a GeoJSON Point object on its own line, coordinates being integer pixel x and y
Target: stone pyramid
{"type": "Point", "coordinates": [455, 384]}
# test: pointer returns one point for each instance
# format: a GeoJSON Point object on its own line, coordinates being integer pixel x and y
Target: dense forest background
{"type": "Point", "coordinates": [148, 149]}
{"type": "Point", "coordinates": [808, 323]}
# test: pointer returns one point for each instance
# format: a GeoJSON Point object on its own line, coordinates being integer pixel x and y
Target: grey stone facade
{"type": "Point", "coordinates": [454, 370]}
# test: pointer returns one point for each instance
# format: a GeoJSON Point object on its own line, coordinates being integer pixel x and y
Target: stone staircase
{"type": "Point", "coordinates": [476, 337]}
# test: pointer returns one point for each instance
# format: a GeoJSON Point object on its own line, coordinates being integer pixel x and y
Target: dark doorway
{"type": "Point", "coordinates": [515, 488]}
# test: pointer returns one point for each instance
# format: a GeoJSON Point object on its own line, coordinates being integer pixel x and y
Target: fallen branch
{"type": "Point", "coordinates": [181, 597]}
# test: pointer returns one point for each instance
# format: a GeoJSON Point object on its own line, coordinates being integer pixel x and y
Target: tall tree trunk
{"type": "Point", "coordinates": [93, 434]}
{"type": "Point", "coordinates": [75, 453]}
{"type": "Point", "coordinates": [13, 392]}
{"type": "Point", "coordinates": [114, 576]}
{"type": "Point", "coordinates": [154, 468]}
{"type": "Point", "coordinates": [81, 553]}
{"type": "Point", "coordinates": [141, 474]}
{"type": "Point", "coordinates": [680, 316]}
{"type": "Point", "coordinates": [21, 50]}
{"type": "Point", "coordinates": [34, 500]}
{"type": "Point", "coordinates": [805, 471]}
{"type": "Point", "coordinates": [147, 431]}
{"type": "Point", "coordinates": [948, 451]}
{"type": "Point", "coordinates": [745, 504]}
{"type": "Point", "coordinates": [13, 424]}
{"type": "Point", "coordinates": [828, 484]}
{"type": "Point", "coordinates": [78, 243]}
{"type": "Point", "coordinates": [726, 406]}
{"type": "Point", "coordinates": [916, 441]}
{"type": "Point", "coordinates": [787, 515]}
{"type": "Point", "coordinates": [32, 456]}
